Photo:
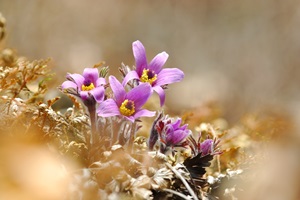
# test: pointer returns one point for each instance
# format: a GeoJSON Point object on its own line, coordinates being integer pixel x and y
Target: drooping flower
{"type": "Point", "coordinates": [87, 85]}
{"type": "Point", "coordinates": [152, 73]}
{"type": "Point", "coordinates": [126, 104]}
{"type": "Point", "coordinates": [171, 133]}
{"type": "Point", "coordinates": [206, 147]}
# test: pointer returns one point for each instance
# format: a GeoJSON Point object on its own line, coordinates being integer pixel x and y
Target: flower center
{"type": "Point", "coordinates": [87, 85]}
{"type": "Point", "coordinates": [148, 76]}
{"type": "Point", "coordinates": [127, 108]}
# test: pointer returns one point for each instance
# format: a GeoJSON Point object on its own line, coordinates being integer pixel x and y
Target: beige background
{"type": "Point", "coordinates": [244, 54]}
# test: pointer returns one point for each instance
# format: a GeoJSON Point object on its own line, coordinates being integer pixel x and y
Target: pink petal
{"type": "Point", "coordinates": [139, 95]}
{"type": "Point", "coordinates": [139, 54]}
{"type": "Point", "coordinates": [177, 123]}
{"type": "Point", "coordinates": [98, 93]}
{"type": "Point", "coordinates": [118, 90]}
{"type": "Point", "coordinates": [108, 108]}
{"type": "Point", "coordinates": [158, 62]}
{"type": "Point", "coordinates": [84, 95]}
{"type": "Point", "coordinates": [161, 94]}
{"type": "Point", "coordinates": [68, 84]}
{"type": "Point", "coordinates": [168, 76]}
{"type": "Point", "coordinates": [144, 113]}
{"type": "Point", "coordinates": [77, 78]}
{"type": "Point", "coordinates": [130, 76]}
{"type": "Point", "coordinates": [91, 74]}
{"type": "Point", "coordinates": [130, 118]}
{"type": "Point", "coordinates": [100, 81]}
{"type": "Point", "coordinates": [176, 137]}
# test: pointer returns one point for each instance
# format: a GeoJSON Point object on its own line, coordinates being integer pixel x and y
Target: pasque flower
{"type": "Point", "coordinates": [86, 85]}
{"type": "Point", "coordinates": [206, 147]}
{"type": "Point", "coordinates": [152, 73]}
{"type": "Point", "coordinates": [126, 104]}
{"type": "Point", "coordinates": [171, 133]}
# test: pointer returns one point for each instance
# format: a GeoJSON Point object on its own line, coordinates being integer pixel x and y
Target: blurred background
{"type": "Point", "coordinates": [243, 55]}
{"type": "Point", "coordinates": [238, 57]}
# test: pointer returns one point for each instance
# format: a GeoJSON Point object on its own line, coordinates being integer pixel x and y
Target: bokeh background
{"type": "Point", "coordinates": [244, 55]}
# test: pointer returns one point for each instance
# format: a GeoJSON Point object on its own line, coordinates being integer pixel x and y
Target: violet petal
{"type": "Point", "coordinates": [91, 74]}
{"type": "Point", "coordinates": [158, 62]}
{"type": "Point", "coordinates": [144, 113]}
{"type": "Point", "coordinates": [118, 90]}
{"type": "Point", "coordinates": [139, 54]}
{"type": "Point", "coordinates": [139, 95]}
{"type": "Point", "coordinates": [84, 95]}
{"type": "Point", "coordinates": [68, 84]}
{"type": "Point", "coordinates": [108, 108]}
{"type": "Point", "coordinates": [130, 76]}
{"type": "Point", "coordinates": [100, 81]}
{"type": "Point", "coordinates": [161, 94]}
{"type": "Point", "coordinates": [179, 136]}
{"type": "Point", "coordinates": [177, 123]}
{"type": "Point", "coordinates": [98, 93]}
{"type": "Point", "coordinates": [130, 118]}
{"type": "Point", "coordinates": [78, 79]}
{"type": "Point", "coordinates": [169, 75]}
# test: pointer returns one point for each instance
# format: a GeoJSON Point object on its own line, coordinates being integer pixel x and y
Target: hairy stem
{"type": "Point", "coordinates": [132, 136]}
{"type": "Point", "coordinates": [93, 119]}
{"type": "Point", "coordinates": [191, 191]}
{"type": "Point", "coordinates": [115, 126]}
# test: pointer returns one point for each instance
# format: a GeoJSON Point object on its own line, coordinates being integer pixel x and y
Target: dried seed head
{"type": "Point", "coordinates": [8, 56]}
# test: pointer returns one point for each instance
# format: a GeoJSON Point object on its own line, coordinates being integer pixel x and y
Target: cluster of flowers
{"type": "Point", "coordinates": [145, 78]}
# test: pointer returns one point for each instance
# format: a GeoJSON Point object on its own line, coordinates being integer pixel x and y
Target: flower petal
{"type": "Point", "coordinates": [207, 146]}
{"type": "Point", "coordinates": [108, 108]}
{"type": "Point", "coordinates": [118, 90]}
{"type": "Point", "coordinates": [130, 118]}
{"type": "Point", "coordinates": [77, 78]}
{"type": "Point", "coordinates": [139, 95]}
{"type": "Point", "coordinates": [84, 95]}
{"type": "Point", "coordinates": [98, 93]}
{"type": "Point", "coordinates": [161, 94]}
{"type": "Point", "coordinates": [158, 62]}
{"type": "Point", "coordinates": [177, 137]}
{"type": "Point", "coordinates": [144, 113]}
{"type": "Point", "coordinates": [130, 76]}
{"type": "Point", "coordinates": [68, 84]}
{"type": "Point", "coordinates": [169, 75]}
{"type": "Point", "coordinates": [91, 74]}
{"type": "Point", "coordinates": [100, 81]}
{"type": "Point", "coordinates": [139, 54]}
{"type": "Point", "coordinates": [177, 123]}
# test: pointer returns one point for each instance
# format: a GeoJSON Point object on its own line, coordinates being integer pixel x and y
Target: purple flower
{"type": "Point", "coordinates": [86, 85]}
{"type": "Point", "coordinates": [126, 104]}
{"type": "Point", "coordinates": [152, 73]}
{"type": "Point", "coordinates": [171, 133]}
{"type": "Point", "coordinates": [207, 147]}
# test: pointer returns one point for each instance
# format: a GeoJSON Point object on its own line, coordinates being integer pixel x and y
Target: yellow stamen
{"type": "Point", "coordinates": [87, 87]}
{"type": "Point", "coordinates": [148, 76]}
{"type": "Point", "coordinates": [127, 108]}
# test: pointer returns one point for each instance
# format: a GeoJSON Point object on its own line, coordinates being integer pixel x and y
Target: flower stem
{"type": "Point", "coordinates": [93, 119]}
{"type": "Point", "coordinates": [177, 173]}
{"type": "Point", "coordinates": [114, 130]}
{"type": "Point", "coordinates": [132, 136]}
